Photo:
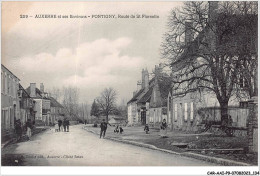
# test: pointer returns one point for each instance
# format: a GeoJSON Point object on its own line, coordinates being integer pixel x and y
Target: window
{"type": "Point", "coordinates": [191, 111]}
{"type": "Point", "coordinates": [185, 111]}
{"type": "Point", "coordinates": [9, 85]}
{"type": "Point", "coordinates": [2, 82]}
{"type": "Point", "coordinates": [175, 115]}
{"type": "Point", "coordinates": [5, 82]}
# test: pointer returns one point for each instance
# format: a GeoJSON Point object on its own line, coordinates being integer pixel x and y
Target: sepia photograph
{"type": "Point", "coordinates": [94, 84]}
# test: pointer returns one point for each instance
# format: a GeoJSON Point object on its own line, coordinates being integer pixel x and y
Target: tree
{"type": "Point", "coordinates": [207, 45]}
{"type": "Point", "coordinates": [107, 101]}
{"type": "Point", "coordinates": [95, 111]}
{"type": "Point", "coordinates": [71, 100]}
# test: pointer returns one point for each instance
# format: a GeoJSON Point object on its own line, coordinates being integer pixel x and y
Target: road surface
{"type": "Point", "coordinates": [81, 148]}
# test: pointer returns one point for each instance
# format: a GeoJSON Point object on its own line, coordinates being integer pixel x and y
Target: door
{"type": "Point", "coordinates": [143, 116]}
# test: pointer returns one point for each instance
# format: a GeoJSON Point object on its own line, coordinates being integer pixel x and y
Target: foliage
{"type": "Point", "coordinates": [211, 47]}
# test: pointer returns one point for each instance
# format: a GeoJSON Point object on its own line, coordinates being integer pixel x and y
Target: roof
{"type": "Point", "coordinates": [38, 92]}
{"type": "Point", "coordinates": [235, 26]}
{"type": "Point", "coordinates": [55, 103]}
{"type": "Point", "coordinates": [21, 88]}
{"type": "Point", "coordinates": [164, 86]}
{"type": "Point", "coordinates": [147, 96]}
{"type": "Point", "coordinates": [10, 71]}
{"type": "Point", "coordinates": [136, 96]}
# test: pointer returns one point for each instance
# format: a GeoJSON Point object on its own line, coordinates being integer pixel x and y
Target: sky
{"type": "Point", "coordinates": [89, 53]}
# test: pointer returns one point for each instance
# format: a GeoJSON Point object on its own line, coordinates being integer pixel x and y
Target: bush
{"type": "Point", "coordinates": [95, 125]}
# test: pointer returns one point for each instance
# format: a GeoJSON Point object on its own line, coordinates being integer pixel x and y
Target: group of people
{"type": "Point", "coordinates": [118, 129]}
{"type": "Point", "coordinates": [163, 129]}
{"type": "Point", "coordinates": [103, 128]}
{"type": "Point", "coordinates": [65, 123]}
{"type": "Point", "coordinates": [20, 129]}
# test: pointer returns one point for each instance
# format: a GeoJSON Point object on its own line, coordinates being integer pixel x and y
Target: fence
{"type": "Point", "coordinates": [239, 115]}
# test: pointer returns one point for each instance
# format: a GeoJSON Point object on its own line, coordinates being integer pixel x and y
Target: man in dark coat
{"type": "Point", "coordinates": [59, 123]}
{"type": "Point", "coordinates": [18, 129]}
{"type": "Point", "coordinates": [64, 124]}
{"type": "Point", "coordinates": [103, 127]}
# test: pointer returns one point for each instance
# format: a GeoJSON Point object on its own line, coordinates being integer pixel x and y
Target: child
{"type": "Point", "coordinates": [121, 130]}
{"type": "Point", "coordinates": [146, 128]}
{"type": "Point", "coordinates": [56, 127]}
{"type": "Point", "coordinates": [116, 129]}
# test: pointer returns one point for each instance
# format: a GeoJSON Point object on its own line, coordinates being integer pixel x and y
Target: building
{"type": "Point", "coordinates": [26, 105]}
{"type": "Point", "coordinates": [115, 120]}
{"type": "Point", "coordinates": [149, 104]}
{"type": "Point", "coordinates": [190, 110]}
{"type": "Point", "coordinates": [159, 96]}
{"type": "Point", "coordinates": [10, 106]}
{"type": "Point", "coordinates": [57, 111]}
{"type": "Point", "coordinates": [42, 104]}
{"type": "Point", "coordinates": [136, 109]}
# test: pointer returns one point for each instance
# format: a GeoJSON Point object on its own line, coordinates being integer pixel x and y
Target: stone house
{"type": "Point", "coordinates": [42, 104]}
{"type": "Point", "coordinates": [26, 105]}
{"type": "Point", "coordinates": [57, 111]}
{"type": "Point", "coordinates": [10, 106]}
{"type": "Point", "coordinates": [159, 96]}
{"type": "Point", "coordinates": [133, 108]}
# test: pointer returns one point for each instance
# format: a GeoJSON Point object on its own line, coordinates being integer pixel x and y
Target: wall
{"type": "Point", "coordinates": [10, 106]}
{"type": "Point", "coordinates": [38, 108]}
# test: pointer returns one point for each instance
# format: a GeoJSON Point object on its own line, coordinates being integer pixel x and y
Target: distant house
{"type": "Point", "coordinates": [57, 110]}
{"type": "Point", "coordinates": [26, 105]}
{"type": "Point", "coordinates": [10, 106]}
{"type": "Point", "coordinates": [137, 105]}
{"type": "Point", "coordinates": [42, 103]}
{"type": "Point", "coordinates": [159, 96]}
{"type": "Point", "coordinates": [117, 120]}
{"type": "Point", "coordinates": [149, 104]}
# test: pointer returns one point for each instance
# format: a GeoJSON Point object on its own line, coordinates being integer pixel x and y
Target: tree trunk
{"type": "Point", "coordinates": [107, 118]}
{"type": "Point", "coordinates": [224, 113]}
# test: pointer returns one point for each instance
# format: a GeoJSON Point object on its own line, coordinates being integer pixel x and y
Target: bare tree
{"type": "Point", "coordinates": [71, 100]}
{"type": "Point", "coordinates": [107, 101]}
{"type": "Point", "coordinates": [207, 47]}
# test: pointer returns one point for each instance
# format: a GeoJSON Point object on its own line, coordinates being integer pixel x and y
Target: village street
{"type": "Point", "coordinates": [81, 148]}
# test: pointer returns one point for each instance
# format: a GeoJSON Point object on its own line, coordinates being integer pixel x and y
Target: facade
{"type": "Point", "coordinates": [149, 104]}
{"type": "Point", "coordinates": [10, 106]}
{"type": "Point", "coordinates": [136, 108]}
{"type": "Point", "coordinates": [42, 104]}
{"type": "Point", "coordinates": [159, 96]}
{"type": "Point", "coordinates": [57, 111]}
{"type": "Point", "coordinates": [26, 105]}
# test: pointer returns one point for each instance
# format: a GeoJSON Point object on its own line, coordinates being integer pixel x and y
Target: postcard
{"type": "Point", "coordinates": [126, 83]}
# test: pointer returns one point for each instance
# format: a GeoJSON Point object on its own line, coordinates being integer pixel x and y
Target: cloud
{"type": "Point", "coordinates": [91, 64]}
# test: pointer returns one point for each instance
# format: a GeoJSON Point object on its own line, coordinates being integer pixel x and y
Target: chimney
{"type": "Point", "coordinates": [188, 32]}
{"type": "Point", "coordinates": [143, 78]}
{"type": "Point", "coordinates": [158, 70]}
{"type": "Point", "coordinates": [32, 89]}
{"type": "Point", "coordinates": [146, 80]}
{"type": "Point", "coordinates": [213, 7]}
{"type": "Point", "coordinates": [42, 87]}
{"type": "Point", "coordinates": [139, 85]}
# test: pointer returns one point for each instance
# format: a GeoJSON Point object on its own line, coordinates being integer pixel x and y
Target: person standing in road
{"type": "Point", "coordinates": [164, 128]}
{"type": "Point", "coordinates": [18, 129]}
{"type": "Point", "coordinates": [59, 123]}
{"type": "Point", "coordinates": [29, 128]}
{"type": "Point", "coordinates": [103, 127]}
